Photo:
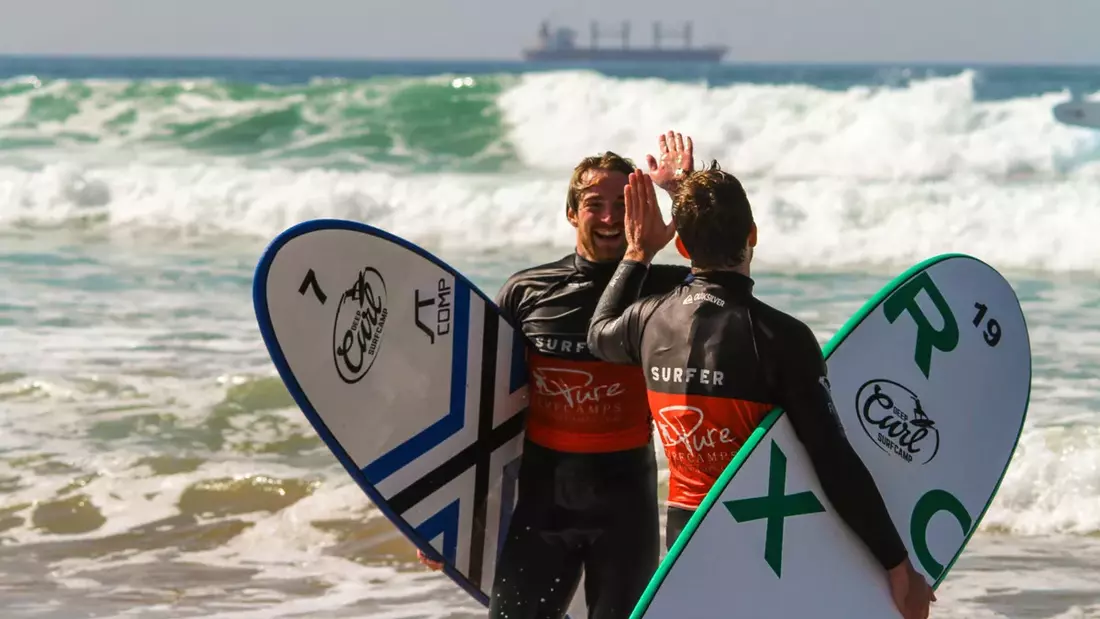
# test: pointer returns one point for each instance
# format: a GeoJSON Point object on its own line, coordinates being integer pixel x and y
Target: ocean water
{"type": "Point", "coordinates": [153, 465]}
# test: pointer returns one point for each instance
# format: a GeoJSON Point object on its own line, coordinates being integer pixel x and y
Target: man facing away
{"type": "Point", "coordinates": [587, 496]}
{"type": "Point", "coordinates": [748, 358]}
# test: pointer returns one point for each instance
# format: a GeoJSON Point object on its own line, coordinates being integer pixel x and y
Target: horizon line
{"type": "Point", "coordinates": [521, 62]}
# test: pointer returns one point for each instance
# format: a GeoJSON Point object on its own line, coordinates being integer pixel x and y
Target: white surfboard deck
{"type": "Point", "coordinates": [410, 376]}
{"type": "Point", "coordinates": [1079, 112]}
{"type": "Point", "coordinates": [948, 333]}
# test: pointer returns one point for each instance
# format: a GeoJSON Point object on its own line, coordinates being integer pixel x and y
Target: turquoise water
{"type": "Point", "coordinates": [151, 459]}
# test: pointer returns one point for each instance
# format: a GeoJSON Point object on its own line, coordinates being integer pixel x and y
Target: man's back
{"type": "Point", "coordinates": [768, 353]}
{"type": "Point", "coordinates": [709, 390]}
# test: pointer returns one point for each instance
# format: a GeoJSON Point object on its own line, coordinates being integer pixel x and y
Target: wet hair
{"type": "Point", "coordinates": [713, 217]}
{"type": "Point", "coordinates": [608, 161]}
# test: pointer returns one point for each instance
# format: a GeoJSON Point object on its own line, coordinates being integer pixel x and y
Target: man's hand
{"type": "Point", "coordinates": [910, 591]}
{"type": "Point", "coordinates": [435, 566]}
{"type": "Point", "coordinates": [645, 227]}
{"type": "Point", "coordinates": [676, 160]}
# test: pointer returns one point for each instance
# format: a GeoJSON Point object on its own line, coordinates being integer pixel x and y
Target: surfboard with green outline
{"type": "Point", "coordinates": [931, 379]}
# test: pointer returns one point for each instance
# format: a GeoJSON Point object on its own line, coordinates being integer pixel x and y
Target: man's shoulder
{"type": "Point", "coordinates": [540, 275]}
{"type": "Point", "coordinates": [528, 284]}
{"type": "Point", "coordinates": [780, 325]}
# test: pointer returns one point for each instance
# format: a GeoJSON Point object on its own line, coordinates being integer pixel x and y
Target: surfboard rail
{"type": "Point", "coordinates": [279, 359]}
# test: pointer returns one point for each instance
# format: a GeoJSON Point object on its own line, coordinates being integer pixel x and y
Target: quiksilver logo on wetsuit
{"type": "Point", "coordinates": [703, 297]}
{"type": "Point", "coordinates": [892, 416]}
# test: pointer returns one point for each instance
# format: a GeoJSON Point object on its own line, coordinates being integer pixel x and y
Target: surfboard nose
{"type": "Point", "coordinates": [1078, 113]}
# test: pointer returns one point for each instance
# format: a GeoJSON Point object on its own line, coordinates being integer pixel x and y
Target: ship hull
{"type": "Point", "coordinates": [625, 55]}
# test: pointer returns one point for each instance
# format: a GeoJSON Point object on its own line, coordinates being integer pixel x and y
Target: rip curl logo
{"type": "Point", "coordinates": [893, 417]}
{"type": "Point", "coordinates": [357, 331]}
{"type": "Point", "coordinates": [574, 386]}
{"type": "Point", "coordinates": [680, 425]}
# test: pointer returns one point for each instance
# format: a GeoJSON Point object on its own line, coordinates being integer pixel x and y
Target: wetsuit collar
{"type": "Point", "coordinates": [590, 268]}
{"type": "Point", "coordinates": [733, 281]}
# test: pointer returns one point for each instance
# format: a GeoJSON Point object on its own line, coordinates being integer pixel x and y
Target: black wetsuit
{"type": "Point", "coordinates": [588, 478]}
{"type": "Point", "coordinates": [716, 360]}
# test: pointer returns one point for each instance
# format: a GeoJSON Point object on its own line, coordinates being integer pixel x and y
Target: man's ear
{"type": "Point", "coordinates": [571, 215]}
{"type": "Point", "coordinates": [752, 235]}
{"type": "Point", "coordinates": [680, 248]}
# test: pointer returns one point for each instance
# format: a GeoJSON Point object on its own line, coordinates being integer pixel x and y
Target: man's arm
{"type": "Point", "coordinates": [805, 396]}
{"type": "Point", "coordinates": [615, 330]}
{"type": "Point", "coordinates": [507, 300]}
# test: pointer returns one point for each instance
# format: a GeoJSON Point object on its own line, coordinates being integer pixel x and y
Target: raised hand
{"type": "Point", "coordinates": [645, 227]}
{"type": "Point", "coordinates": [676, 159]}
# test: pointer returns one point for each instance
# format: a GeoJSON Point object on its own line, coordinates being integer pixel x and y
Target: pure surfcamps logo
{"type": "Point", "coordinates": [360, 318]}
{"type": "Point", "coordinates": [894, 418]}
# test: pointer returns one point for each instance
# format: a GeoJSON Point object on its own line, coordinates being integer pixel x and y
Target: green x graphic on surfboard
{"type": "Point", "coordinates": [776, 506]}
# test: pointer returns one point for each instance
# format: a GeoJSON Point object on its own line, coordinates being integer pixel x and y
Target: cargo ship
{"type": "Point", "coordinates": [561, 46]}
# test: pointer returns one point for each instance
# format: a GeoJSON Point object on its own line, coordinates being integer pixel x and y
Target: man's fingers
{"type": "Point", "coordinates": [636, 209]}
{"type": "Point", "coordinates": [651, 162]}
{"type": "Point", "coordinates": [662, 143]}
{"type": "Point", "coordinates": [690, 150]}
{"type": "Point", "coordinates": [679, 142]}
{"type": "Point", "coordinates": [651, 197]}
{"type": "Point", "coordinates": [653, 212]}
{"type": "Point", "coordinates": [628, 199]}
{"type": "Point", "coordinates": [637, 197]}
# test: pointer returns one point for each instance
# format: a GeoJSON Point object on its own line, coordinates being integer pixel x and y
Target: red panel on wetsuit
{"type": "Point", "coordinates": [701, 434]}
{"type": "Point", "coordinates": [586, 406]}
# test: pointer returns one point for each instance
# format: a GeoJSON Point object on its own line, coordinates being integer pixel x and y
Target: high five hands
{"type": "Point", "coordinates": [677, 159]}
{"type": "Point", "coordinates": [645, 227]}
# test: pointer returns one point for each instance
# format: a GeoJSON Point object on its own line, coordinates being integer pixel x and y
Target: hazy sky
{"type": "Point", "coordinates": [1024, 31]}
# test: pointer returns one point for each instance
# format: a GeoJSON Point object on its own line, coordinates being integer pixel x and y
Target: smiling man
{"type": "Point", "coordinates": [587, 494]}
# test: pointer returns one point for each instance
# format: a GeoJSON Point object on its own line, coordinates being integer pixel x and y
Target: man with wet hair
{"type": "Point", "coordinates": [717, 359]}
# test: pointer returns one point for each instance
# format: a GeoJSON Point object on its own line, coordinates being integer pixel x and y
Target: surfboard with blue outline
{"type": "Point", "coordinates": [411, 377]}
